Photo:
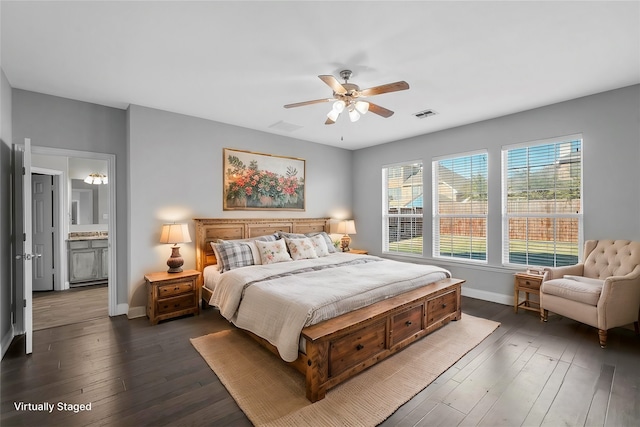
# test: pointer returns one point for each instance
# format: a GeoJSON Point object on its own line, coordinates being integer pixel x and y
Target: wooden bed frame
{"type": "Point", "coordinates": [339, 348]}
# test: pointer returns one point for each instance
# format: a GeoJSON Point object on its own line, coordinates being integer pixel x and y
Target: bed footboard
{"type": "Point", "coordinates": [339, 348]}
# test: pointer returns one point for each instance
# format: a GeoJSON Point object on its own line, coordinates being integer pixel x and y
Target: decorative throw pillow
{"type": "Point", "coordinates": [326, 237]}
{"type": "Point", "coordinates": [330, 248]}
{"type": "Point", "coordinates": [233, 255]}
{"type": "Point", "coordinates": [272, 252]}
{"type": "Point", "coordinates": [319, 245]}
{"type": "Point", "coordinates": [254, 248]}
{"type": "Point", "coordinates": [301, 248]}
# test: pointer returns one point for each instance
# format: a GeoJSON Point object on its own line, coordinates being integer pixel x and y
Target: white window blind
{"type": "Point", "coordinates": [402, 207]}
{"type": "Point", "coordinates": [460, 199]}
{"type": "Point", "coordinates": [542, 202]}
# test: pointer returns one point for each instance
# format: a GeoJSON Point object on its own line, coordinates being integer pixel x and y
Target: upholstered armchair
{"type": "Point", "coordinates": [603, 291]}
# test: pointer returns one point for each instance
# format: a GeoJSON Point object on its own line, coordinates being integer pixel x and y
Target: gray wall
{"type": "Point", "coordinates": [176, 175]}
{"type": "Point", "coordinates": [609, 123]}
{"type": "Point", "coordinates": [72, 125]}
{"type": "Point", "coordinates": [5, 216]}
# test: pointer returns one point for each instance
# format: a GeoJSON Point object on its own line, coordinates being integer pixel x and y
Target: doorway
{"type": "Point", "coordinates": [71, 268]}
{"type": "Point", "coordinates": [63, 296]}
{"type": "Point", "coordinates": [96, 293]}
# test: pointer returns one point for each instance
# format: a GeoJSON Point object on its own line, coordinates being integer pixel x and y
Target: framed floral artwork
{"type": "Point", "coordinates": [257, 181]}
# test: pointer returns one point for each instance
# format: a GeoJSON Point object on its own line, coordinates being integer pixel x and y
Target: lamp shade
{"type": "Point", "coordinates": [362, 107]}
{"type": "Point", "coordinates": [347, 227]}
{"type": "Point", "coordinates": [175, 233]}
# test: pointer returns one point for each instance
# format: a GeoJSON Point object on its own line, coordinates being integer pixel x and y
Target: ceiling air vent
{"type": "Point", "coordinates": [425, 113]}
{"type": "Point", "coordinates": [284, 126]}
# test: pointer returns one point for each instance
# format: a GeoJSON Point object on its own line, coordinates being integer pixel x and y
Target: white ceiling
{"type": "Point", "coordinates": [240, 62]}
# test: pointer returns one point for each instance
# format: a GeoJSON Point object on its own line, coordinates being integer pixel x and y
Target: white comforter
{"type": "Point", "coordinates": [278, 309]}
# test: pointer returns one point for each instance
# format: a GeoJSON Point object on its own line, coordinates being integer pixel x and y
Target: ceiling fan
{"type": "Point", "coordinates": [348, 96]}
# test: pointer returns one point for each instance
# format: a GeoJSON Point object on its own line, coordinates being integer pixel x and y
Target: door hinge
{"type": "Point", "coordinates": [24, 303]}
{"type": "Point", "coordinates": [24, 171]}
{"type": "Point", "coordinates": [24, 237]}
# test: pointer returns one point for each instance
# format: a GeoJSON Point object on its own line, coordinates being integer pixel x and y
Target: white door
{"type": "Point", "coordinates": [24, 253]}
{"type": "Point", "coordinates": [43, 232]}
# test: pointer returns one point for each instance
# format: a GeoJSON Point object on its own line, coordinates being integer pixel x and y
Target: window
{"type": "Point", "coordinates": [460, 207]}
{"type": "Point", "coordinates": [542, 202]}
{"type": "Point", "coordinates": [402, 208]}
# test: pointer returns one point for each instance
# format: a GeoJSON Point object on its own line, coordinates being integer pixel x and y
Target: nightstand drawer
{"type": "Point", "coordinates": [174, 289]}
{"type": "Point", "coordinates": [171, 305]}
{"type": "Point", "coordinates": [529, 283]}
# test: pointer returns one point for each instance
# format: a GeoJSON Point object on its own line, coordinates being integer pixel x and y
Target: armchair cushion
{"type": "Point", "coordinates": [584, 291]}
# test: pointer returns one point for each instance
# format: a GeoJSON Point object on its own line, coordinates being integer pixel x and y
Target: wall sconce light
{"type": "Point", "coordinates": [175, 233]}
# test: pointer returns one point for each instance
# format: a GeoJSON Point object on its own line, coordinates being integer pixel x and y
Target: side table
{"type": "Point", "coordinates": [529, 284]}
{"type": "Point", "coordinates": [172, 294]}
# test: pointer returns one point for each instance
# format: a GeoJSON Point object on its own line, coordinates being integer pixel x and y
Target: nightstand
{"type": "Point", "coordinates": [172, 295]}
{"type": "Point", "coordinates": [529, 284]}
{"type": "Point", "coordinates": [357, 252]}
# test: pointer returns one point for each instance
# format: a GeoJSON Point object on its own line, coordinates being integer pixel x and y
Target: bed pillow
{"type": "Point", "coordinates": [319, 245]}
{"type": "Point", "coordinates": [254, 249]}
{"type": "Point", "coordinates": [331, 249]}
{"type": "Point", "coordinates": [301, 248]}
{"type": "Point", "coordinates": [272, 252]}
{"type": "Point", "coordinates": [232, 255]}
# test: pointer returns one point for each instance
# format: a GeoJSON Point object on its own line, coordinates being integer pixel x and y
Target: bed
{"type": "Point", "coordinates": [327, 337]}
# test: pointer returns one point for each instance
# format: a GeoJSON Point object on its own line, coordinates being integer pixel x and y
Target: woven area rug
{"type": "Point", "coordinates": [271, 393]}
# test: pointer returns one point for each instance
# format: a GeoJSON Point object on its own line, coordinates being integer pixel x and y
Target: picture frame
{"type": "Point", "coordinates": [259, 181]}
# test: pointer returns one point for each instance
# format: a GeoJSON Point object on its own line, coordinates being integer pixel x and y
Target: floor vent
{"type": "Point", "coordinates": [425, 113]}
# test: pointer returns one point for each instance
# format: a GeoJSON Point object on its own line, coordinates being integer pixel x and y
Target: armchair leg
{"type": "Point", "coordinates": [602, 334]}
{"type": "Point", "coordinates": [544, 315]}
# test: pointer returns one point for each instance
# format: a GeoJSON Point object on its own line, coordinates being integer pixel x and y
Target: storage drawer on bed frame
{"type": "Point", "coordinates": [356, 347]}
{"type": "Point", "coordinates": [406, 323]}
{"type": "Point", "coordinates": [441, 307]}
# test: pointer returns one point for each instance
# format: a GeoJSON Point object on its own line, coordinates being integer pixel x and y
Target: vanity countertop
{"type": "Point", "coordinates": [88, 235]}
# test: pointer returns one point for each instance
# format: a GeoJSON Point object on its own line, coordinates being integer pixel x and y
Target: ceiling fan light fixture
{"type": "Point", "coordinates": [333, 114]}
{"type": "Point", "coordinates": [354, 116]}
{"type": "Point", "coordinates": [362, 107]}
{"type": "Point", "coordinates": [339, 106]}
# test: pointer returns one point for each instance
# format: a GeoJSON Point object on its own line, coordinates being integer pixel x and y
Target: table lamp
{"type": "Point", "coordinates": [345, 228]}
{"type": "Point", "coordinates": [175, 233]}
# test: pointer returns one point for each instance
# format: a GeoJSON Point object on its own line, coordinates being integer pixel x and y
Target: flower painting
{"type": "Point", "coordinates": [255, 181]}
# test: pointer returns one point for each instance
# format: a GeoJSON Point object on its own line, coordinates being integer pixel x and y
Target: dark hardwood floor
{"type": "Point", "coordinates": [134, 374]}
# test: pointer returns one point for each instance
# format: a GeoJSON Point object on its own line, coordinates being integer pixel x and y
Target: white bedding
{"type": "Point", "coordinates": [278, 309]}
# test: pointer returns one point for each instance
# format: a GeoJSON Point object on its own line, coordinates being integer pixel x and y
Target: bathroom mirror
{"type": "Point", "coordinates": [89, 203]}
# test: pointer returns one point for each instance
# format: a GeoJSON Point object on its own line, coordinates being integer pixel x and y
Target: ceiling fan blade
{"type": "Point", "coordinates": [334, 84]}
{"type": "Point", "coordinates": [390, 87]}
{"type": "Point", "coordinates": [315, 101]}
{"type": "Point", "coordinates": [381, 111]}
{"type": "Point", "coordinates": [329, 121]}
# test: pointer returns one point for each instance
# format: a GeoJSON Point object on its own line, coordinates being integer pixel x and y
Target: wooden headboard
{"type": "Point", "coordinates": [212, 229]}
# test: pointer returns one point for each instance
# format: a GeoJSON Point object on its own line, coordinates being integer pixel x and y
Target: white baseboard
{"type": "Point", "coordinates": [487, 296]}
{"type": "Point", "coordinates": [6, 341]}
{"type": "Point", "coordinates": [122, 309]}
{"type": "Point", "coordinates": [139, 311]}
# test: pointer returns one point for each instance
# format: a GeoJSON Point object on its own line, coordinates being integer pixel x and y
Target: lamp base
{"type": "Point", "coordinates": [175, 261]}
{"type": "Point", "coordinates": [345, 242]}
